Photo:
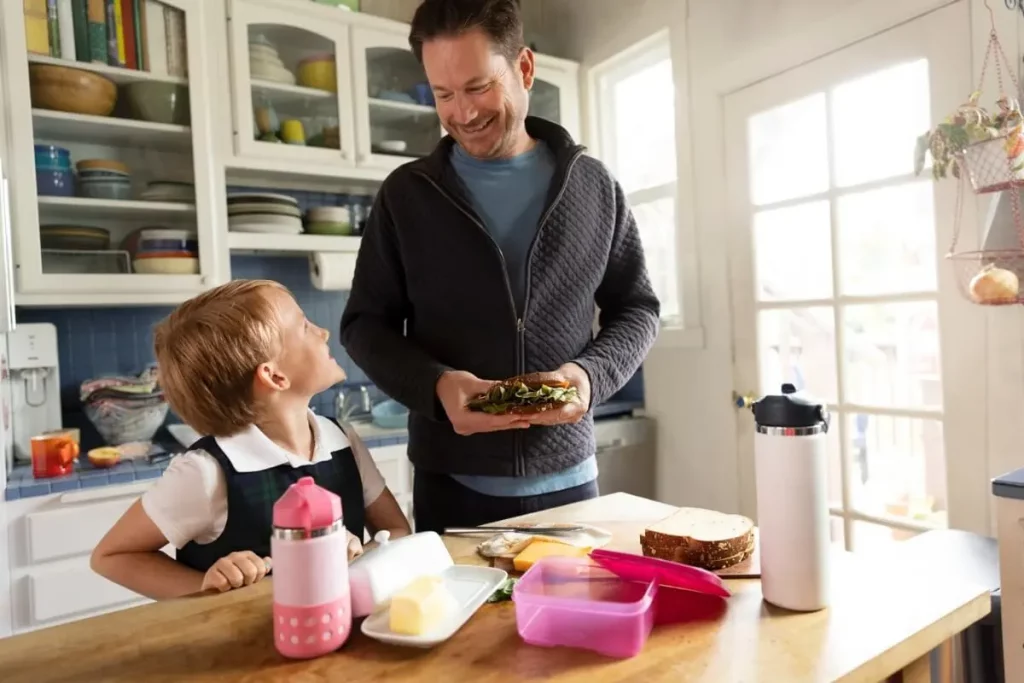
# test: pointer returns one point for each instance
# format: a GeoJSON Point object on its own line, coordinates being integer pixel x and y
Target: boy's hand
{"type": "Point", "coordinates": [239, 569]}
{"type": "Point", "coordinates": [355, 546]}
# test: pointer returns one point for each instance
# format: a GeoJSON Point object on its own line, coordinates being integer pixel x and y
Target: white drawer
{"type": "Point", "coordinates": [73, 528]}
{"type": "Point", "coordinates": [396, 475]}
{"type": "Point", "coordinates": [56, 593]}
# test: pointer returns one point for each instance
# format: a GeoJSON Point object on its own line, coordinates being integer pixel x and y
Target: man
{"type": "Point", "coordinates": [485, 260]}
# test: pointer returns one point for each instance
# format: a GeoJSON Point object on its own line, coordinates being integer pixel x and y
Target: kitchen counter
{"type": "Point", "coordinates": [889, 612]}
{"type": "Point", "coordinates": [21, 484]}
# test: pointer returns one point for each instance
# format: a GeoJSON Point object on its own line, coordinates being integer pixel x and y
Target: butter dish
{"type": "Point", "coordinates": [377, 574]}
{"type": "Point", "coordinates": [470, 586]}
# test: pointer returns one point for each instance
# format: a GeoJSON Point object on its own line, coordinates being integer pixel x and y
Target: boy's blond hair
{"type": "Point", "coordinates": [207, 352]}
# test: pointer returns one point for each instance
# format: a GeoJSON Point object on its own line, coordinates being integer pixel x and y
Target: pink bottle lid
{"type": "Point", "coordinates": [663, 572]}
{"type": "Point", "coordinates": [306, 506]}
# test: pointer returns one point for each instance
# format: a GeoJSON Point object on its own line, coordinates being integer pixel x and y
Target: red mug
{"type": "Point", "coordinates": [53, 455]}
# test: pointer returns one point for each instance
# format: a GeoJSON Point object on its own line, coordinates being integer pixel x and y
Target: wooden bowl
{"type": "Point", "coordinates": [75, 91]}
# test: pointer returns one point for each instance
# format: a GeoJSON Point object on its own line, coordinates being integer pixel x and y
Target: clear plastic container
{"type": "Point", "coordinates": [573, 602]}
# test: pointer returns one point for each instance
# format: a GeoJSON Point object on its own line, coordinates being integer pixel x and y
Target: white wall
{"type": "Point", "coordinates": [723, 46]}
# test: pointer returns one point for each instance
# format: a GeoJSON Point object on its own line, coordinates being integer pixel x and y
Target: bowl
{"type": "Point", "coordinates": [159, 102]}
{"type": "Point", "coordinates": [62, 88]}
{"type": "Point", "coordinates": [120, 423]}
{"type": "Point", "coordinates": [390, 414]}
{"type": "Point", "coordinates": [318, 72]}
{"type": "Point", "coordinates": [52, 157]}
{"type": "Point", "coordinates": [86, 166]}
{"type": "Point", "coordinates": [104, 457]}
{"type": "Point", "coordinates": [397, 146]}
{"type": "Point", "coordinates": [165, 265]}
{"type": "Point", "coordinates": [329, 228]}
{"type": "Point", "coordinates": [74, 237]}
{"type": "Point", "coordinates": [52, 182]}
{"type": "Point", "coordinates": [105, 188]}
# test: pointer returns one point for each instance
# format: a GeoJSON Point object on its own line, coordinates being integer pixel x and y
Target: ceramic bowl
{"type": "Point", "coordinates": [54, 182]}
{"type": "Point", "coordinates": [75, 91]}
{"type": "Point", "coordinates": [86, 166]}
{"type": "Point", "coordinates": [166, 265]}
{"type": "Point", "coordinates": [105, 188]}
{"type": "Point", "coordinates": [52, 157]}
{"type": "Point", "coordinates": [318, 72]}
{"type": "Point", "coordinates": [74, 237]}
{"type": "Point", "coordinates": [159, 102]}
{"type": "Point", "coordinates": [390, 414]}
{"type": "Point", "coordinates": [329, 228]}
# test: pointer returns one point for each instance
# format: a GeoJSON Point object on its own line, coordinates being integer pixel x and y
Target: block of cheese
{"type": "Point", "coordinates": [538, 549]}
{"type": "Point", "coordinates": [701, 538]}
{"type": "Point", "coordinates": [420, 606]}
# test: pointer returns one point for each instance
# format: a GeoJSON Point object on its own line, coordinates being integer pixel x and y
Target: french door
{"type": "Point", "coordinates": [839, 285]}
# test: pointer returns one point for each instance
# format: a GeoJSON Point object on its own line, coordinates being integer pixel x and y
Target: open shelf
{"type": "Point", "coordinates": [295, 244]}
{"type": "Point", "coordinates": [117, 74]}
{"type": "Point", "coordinates": [62, 126]}
{"type": "Point", "coordinates": [121, 208]}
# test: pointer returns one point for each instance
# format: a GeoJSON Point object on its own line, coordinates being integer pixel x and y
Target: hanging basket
{"type": "Point", "coordinates": [990, 277]}
{"type": "Point", "coordinates": [997, 164]}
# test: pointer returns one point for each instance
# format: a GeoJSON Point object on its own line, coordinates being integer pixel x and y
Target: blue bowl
{"type": "Point", "coordinates": [52, 152]}
{"type": "Point", "coordinates": [105, 188]}
{"type": "Point", "coordinates": [55, 182]}
{"type": "Point", "coordinates": [390, 414]}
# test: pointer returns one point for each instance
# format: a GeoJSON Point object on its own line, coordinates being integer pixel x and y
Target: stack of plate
{"type": "Point", "coordinates": [169, 191]}
{"type": "Point", "coordinates": [265, 64]}
{"type": "Point", "coordinates": [264, 213]}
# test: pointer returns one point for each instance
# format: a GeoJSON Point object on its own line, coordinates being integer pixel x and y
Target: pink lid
{"type": "Point", "coordinates": [306, 506]}
{"type": "Point", "coordinates": [663, 572]}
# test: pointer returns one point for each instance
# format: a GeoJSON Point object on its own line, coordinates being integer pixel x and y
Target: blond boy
{"type": "Point", "coordinates": [240, 364]}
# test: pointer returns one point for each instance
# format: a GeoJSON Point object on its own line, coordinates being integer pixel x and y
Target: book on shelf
{"type": "Point", "coordinates": [143, 35]}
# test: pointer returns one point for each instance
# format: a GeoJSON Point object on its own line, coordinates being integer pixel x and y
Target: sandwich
{"type": "Point", "coordinates": [524, 395]}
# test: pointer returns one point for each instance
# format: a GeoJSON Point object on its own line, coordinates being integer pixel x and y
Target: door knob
{"type": "Point", "coordinates": [743, 400]}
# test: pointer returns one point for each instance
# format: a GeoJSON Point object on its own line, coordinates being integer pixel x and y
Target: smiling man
{"type": "Point", "coordinates": [486, 260]}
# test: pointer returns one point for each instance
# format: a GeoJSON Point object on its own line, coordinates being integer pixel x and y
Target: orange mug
{"type": "Point", "coordinates": [53, 455]}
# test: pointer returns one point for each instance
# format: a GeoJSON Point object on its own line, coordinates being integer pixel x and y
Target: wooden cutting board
{"type": "Point", "coordinates": [627, 540]}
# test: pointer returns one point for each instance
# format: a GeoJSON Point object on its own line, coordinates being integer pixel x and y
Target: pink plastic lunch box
{"type": "Point", "coordinates": [574, 602]}
{"type": "Point", "coordinates": [610, 601]}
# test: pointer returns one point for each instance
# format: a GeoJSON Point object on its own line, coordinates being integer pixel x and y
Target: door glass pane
{"type": "Point", "coordinates": [114, 154]}
{"type": "Point", "coordinates": [887, 240]}
{"type": "Point", "coordinates": [656, 222]}
{"type": "Point", "coordinates": [545, 101]}
{"type": "Point", "coordinates": [898, 467]}
{"type": "Point", "coordinates": [793, 251]}
{"type": "Point", "coordinates": [798, 346]}
{"type": "Point", "coordinates": [294, 86]}
{"type": "Point", "coordinates": [788, 149]}
{"type": "Point", "coordinates": [876, 538]}
{"type": "Point", "coordinates": [403, 121]}
{"type": "Point", "coordinates": [644, 133]}
{"type": "Point", "coordinates": [873, 118]}
{"type": "Point", "coordinates": [835, 525]}
{"type": "Point", "coordinates": [892, 355]}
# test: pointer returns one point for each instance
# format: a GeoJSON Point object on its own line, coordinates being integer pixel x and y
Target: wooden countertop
{"type": "Point", "coordinates": [887, 613]}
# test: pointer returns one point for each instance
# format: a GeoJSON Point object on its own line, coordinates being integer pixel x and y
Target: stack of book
{"type": "Point", "coordinates": [145, 35]}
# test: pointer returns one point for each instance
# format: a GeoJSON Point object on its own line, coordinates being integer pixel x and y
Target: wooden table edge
{"type": "Point", "coordinates": [911, 656]}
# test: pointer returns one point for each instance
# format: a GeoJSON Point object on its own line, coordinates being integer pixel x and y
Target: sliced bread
{"type": "Point", "coordinates": [701, 538]}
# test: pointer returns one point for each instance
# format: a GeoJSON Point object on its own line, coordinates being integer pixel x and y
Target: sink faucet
{"type": "Point", "coordinates": [352, 401]}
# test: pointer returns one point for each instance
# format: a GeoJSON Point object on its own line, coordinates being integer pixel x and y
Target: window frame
{"type": "Point", "coordinates": [684, 331]}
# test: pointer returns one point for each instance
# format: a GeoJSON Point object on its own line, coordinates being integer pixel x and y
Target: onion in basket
{"type": "Point", "coordinates": [994, 286]}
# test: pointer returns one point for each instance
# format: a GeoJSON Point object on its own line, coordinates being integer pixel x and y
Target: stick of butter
{"type": "Point", "coordinates": [421, 606]}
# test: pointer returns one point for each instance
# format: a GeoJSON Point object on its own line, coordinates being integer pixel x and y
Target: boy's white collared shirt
{"type": "Point", "coordinates": [189, 502]}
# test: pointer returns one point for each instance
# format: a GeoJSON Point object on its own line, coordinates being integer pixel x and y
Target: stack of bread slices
{"type": "Point", "coordinates": [700, 538]}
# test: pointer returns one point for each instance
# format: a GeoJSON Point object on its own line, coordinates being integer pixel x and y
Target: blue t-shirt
{"type": "Point", "coordinates": [509, 195]}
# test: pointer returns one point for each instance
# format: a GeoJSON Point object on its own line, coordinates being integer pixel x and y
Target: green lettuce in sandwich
{"type": "Point", "coordinates": [524, 395]}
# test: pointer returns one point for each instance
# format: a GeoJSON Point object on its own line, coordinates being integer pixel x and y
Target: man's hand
{"type": "Point", "coordinates": [455, 389]}
{"type": "Point", "coordinates": [569, 413]}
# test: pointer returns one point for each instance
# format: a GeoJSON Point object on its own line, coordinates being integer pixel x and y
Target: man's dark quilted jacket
{"type": "Point", "coordinates": [427, 265]}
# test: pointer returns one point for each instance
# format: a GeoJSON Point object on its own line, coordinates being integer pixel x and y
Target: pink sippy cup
{"type": "Point", "coordinates": [312, 605]}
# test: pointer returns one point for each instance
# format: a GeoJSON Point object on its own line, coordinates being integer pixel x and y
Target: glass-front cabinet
{"type": "Point", "coordinates": [555, 93]}
{"type": "Point", "coordinates": [394, 106]}
{"type": "Point", "coordinates": [292, 83]}
{"type": "Point", "coordinates": [119, 133]}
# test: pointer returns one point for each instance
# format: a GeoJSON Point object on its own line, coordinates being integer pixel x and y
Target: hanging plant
{"type": "Point", "coordinates": [969, 125]}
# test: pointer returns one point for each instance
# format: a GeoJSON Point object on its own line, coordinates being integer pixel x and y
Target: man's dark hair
{"type": "Point", "coordinates": [499, 19]}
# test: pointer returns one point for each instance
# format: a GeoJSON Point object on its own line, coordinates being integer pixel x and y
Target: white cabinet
{"type": "Point", "coordinates": [49, 541]}
{"type": "Point", "coordinates": [555, 93]}
{"type": "Point", "coordinates": [292, 83]}
{"type": "Point", "coordinates": [393, 463]}
{"type": "Point", "coordinates": [93, 261]}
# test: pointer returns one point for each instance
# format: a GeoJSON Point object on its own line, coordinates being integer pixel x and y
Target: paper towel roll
{"type": "Point", "coordinates": [332, 271]}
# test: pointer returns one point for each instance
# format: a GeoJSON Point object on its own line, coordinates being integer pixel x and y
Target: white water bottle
{"type": "Point", "coordinates": [791, 470]}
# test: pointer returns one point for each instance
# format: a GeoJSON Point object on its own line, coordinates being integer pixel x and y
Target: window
{"type": "Point", "coordinates": [636, 131]}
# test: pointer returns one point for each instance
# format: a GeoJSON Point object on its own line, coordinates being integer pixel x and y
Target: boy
{"type": "Point", "coordinates": [240, 363]}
